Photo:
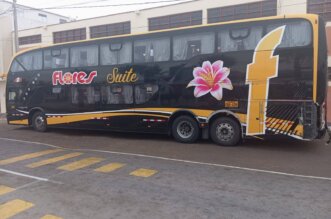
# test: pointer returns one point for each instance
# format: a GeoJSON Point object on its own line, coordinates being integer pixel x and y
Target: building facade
{"type": "Point", "coordinates": [27, 18]}
{"type": "Point", "coordinates": [195, 12]}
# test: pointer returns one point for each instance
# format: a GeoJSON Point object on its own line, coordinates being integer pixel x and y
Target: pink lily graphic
{"type": "Point", "coordinates": [211, 78]}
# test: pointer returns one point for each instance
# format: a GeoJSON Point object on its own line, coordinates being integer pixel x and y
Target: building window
{"type": "Point", "coordinates": [29, 39]}
{"type": "Point", "coordinates": [243, 11]}
{"type": "Point", "coordinates": [62, 21]}
{"type": "Point", "coordinates": [320, 7]}
{"type": "Point", "coordinates": [175, 20]}
{"type": "Point", "coordinates": [110, 29]}
{"type": "Point", "coordinates": [42, 15]}
{"type": "Point", "coordinates": [69, 35]}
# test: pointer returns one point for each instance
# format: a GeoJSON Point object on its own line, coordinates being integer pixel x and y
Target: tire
{"type": "Point", "coordinates": [225, 131]}
{"type": "Point", "coordinates": [39, 122]}
{"type": "Point", "coordinates": [185, 129]}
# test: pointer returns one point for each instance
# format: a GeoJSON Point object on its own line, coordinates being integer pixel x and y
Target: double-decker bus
{"type": "Point", "coordinates": [224, 81]}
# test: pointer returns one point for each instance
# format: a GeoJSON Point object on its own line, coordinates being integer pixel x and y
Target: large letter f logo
{"type": "Point", "coordinates": [259, 72]}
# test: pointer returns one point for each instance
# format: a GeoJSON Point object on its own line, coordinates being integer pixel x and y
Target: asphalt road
{"type": "Point", "coordinates": [108, 175]}
{"type": "Point", "coordinates": [282, 155]}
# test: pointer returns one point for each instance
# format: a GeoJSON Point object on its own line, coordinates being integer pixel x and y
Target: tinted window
{"type": "Point", "coordinates": [85, 95]}
{"type": "Point", "coordinates": [144, 93]}
{"type": "Point", "coordinates": [297, 33]}
{"type": "Point", "coordinates": [84, 56]}
{"type": "Point", "coordinates": [29, 62]}
{"type": "Point", "coordinates": [190, 45]}
{"type": "Point", "coordinates": [117, 94]}
{"type": "Point", "coordinates": [16, 67]}
{"type": "Point", "coordinates": [116, 53]}
{"type": "Point", "coordinates": [239, 39]}
{"type": "Point", "coordinates": [152, 50]}
{"type": "Point", "coordinates": [56, 58]}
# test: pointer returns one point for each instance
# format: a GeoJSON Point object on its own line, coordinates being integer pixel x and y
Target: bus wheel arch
{"type": "Point", "coordinates": [230, 124]}
{"type": "Point", "coordinates": [37, 120]}
{"type": "Point", "coordinates": [184, 127]}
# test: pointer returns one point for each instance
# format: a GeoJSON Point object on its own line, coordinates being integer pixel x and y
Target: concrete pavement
{"type": "Point", "coordinates": [175, 190]}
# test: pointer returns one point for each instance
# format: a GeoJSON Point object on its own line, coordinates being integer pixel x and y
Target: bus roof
{"type": "Point", "coordinates": [310, 17]}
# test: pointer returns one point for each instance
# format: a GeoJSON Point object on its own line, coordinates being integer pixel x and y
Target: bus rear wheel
{"type": "Point", "coordinates": [225, 131]}
{"type": "Point", "coordinates": [185, 129]}
{"type": "Point", "coordinates": [39, 122]}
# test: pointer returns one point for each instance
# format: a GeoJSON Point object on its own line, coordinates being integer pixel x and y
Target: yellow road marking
{"type": "Point", "coordinates": [109, 167]}
{"type": "Point", "coordinates": [81, 164]}
{"type": "Point", "coordinates": [13, 208]}
{"type": "Point", "coordinates": [5, 189]}
{"type": "Point", "coordinates": [49, 216]}
{"type": "Point", "coordinates": [28, 156]}
{"type": "Point", "coordinates": [143, 172]}
{"type": "Point", "coordinates": [53, 160]}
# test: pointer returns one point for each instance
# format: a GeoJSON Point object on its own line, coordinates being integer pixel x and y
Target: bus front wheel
{"type": "Point", "coordinates": [39, 122]}
{"type": "Point", "coordinates": [225, 131]}
{"type": "Point", "coordinates": [185, 129]}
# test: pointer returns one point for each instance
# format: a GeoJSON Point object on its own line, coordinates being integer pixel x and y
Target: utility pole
{"type": "Point", "coordinates": [15, 25]}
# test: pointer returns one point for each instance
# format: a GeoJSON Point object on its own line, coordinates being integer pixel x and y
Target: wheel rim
{"type": "Point", "coordinates": [225, 132]}
{"type": "Point", "coordinates": [185, 129]}
{"type": "Point", "coordinates": [40, 122]}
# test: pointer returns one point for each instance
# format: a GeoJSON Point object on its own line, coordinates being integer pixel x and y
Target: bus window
{"type": "Point", "coordinates": [28, 62]}
{"type": "Point", "coordinates": [190, 45]}
{"type": "Point", "coordinates": [152, 50]}
{"type": "Point", "coordinates": [116, 53]}
{"type": "Point", "coordinates": [83, 56]}
{"type": "Point", "coordinates": [297, 33]}
{"type": "Point", "coordinates": [85, 95]}
{"type": "Point", "coordinates": [16, 67]}
{"type": "Point", "coordinates": [143, 93]}
{"type": "Point", "coordinates": [11, 95]}
{"type": "Point", "coordinates": [239, 39]}
{"type": "Point", "coordinates": [56, 58]}
{"type": "Point", "coordinates": [117, 94]}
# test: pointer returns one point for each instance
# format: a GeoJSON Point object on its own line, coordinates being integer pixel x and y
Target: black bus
{"type": "Point", "coordinates": [226, 81]}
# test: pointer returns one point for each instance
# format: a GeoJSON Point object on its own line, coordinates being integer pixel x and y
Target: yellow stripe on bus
{"type": "Point", "coordinates": [69, 118]}
{"type": "Point", "coordinates": [19, 122]}
{"type": "Point", "coordinates": [85, 117]}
